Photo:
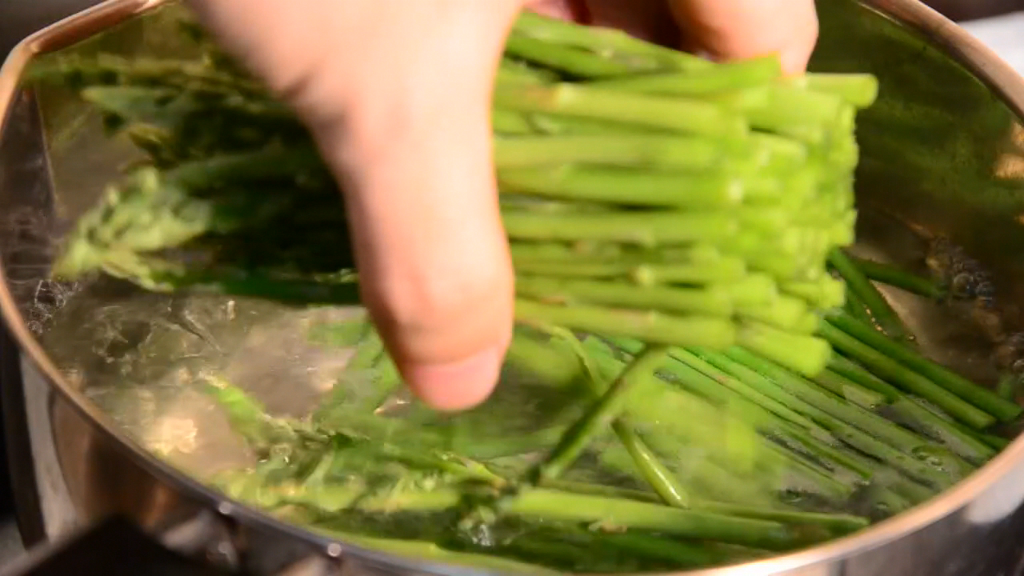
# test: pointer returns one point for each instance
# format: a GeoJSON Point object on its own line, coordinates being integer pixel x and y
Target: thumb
{"type": "Point", "coordinates": [398, 96]}
{"type": "Point", "coordinates": [751, 28]}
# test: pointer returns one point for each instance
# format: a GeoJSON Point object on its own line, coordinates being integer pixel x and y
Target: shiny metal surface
{"type": "Point", "coordinates": [943, 152]}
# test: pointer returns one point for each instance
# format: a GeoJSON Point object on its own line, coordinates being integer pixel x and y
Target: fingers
{"type": "Point", "coordinates": [423, 203]}
{"type": "Point", "coordinates": [650, 20]}
{"type": "Point", "coordinates": [751, 28]}
{"type": "Point", "coordinates": [726, 29]}
{"type": "Point", "coordinates": [564, 9]}
{"type": "Point", "coordinates": [398, 96]}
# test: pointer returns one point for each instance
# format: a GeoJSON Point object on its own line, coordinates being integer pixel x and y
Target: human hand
{"type": "Point", "coordinates": [397, 94]}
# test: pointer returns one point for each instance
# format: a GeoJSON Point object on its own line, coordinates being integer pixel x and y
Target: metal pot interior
{"type": "Point", "coordinates": [942, 155]}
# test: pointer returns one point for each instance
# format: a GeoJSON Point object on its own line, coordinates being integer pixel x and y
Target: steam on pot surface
{"type": "Point", "coordinates": [717, 358]}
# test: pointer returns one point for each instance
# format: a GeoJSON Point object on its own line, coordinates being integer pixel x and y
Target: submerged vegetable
{"type": "Point", "coordinates": [671, 221]}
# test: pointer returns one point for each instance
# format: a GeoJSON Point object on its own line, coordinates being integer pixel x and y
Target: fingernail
{"type": "Point", "coordinates": [458, 385]}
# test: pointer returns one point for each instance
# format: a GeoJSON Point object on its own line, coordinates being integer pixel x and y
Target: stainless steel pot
{"type": "Point", "coordinates": [942, 152]}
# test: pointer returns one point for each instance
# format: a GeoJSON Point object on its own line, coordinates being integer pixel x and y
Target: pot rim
{"type": "Point", "coordinates": [940, 32]}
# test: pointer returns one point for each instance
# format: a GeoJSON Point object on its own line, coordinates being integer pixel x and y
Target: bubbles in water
{"type": "Point", "coordinates": [171, 434]}
{"type": "Point", "coordinates": [1018, 366]}
{"type": "Point", "coordinates": [792, 496]}
{"type": "Point", "coordinates": [482, 535]}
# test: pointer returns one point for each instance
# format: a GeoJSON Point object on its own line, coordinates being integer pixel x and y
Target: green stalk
{"type": "Point", "coordinates": [155, 275]}
{"type": "Point", "coordinates": [912, 415]}
{"type": "Point", "coordinates": [600, 414]}
{"type": "Point", "coordinates": [845, 465]}
{"type": "Point", "coordinates": [763, 413]}
{"type": "Point", "coordinates": [551, 505]}
{"type": "Point", "coordinates": [554, 506]}
{"type": "Point", "coordinates": [981, 397]}
{"type": "Point", "coordinates": [785, 313]}
{"type": "Point", "coordinates": [876, 304]}
{"type": "Point", "coordinates": [626, 187]}
{"type": "Point", "coordinates": [725, 77]}
{"type": "Point", "coordinates": [922, 415]}
{"type": "Point", "coordinates": [687, 116]}
{"type": "Point", "coordinates": [553, 125]}
{"type": "Point", "coordinates": [995, 442]}
{"type": "Point", "coordinates": [915, 493]}
{"type": "Point", "coordinates": [727, 272]}
{"type": "Point", "coordinates": [804, 354]}
{"type": "Point", "coordinates": [708, 301]}
{"type": "Point", "coordinates": [796, 113]}
{"type": "Point", "coordinates": [860, 90]}
{"type": "Point", "coordinates": [851, 435]}
{"type": "Point", "coordinates": [638, 53]}
{"type": "Point", "coordinates": [809, 479]}
{"type": "Point", "coordinates": [838, 522]}
{"type": "Point", "coordinates": [512, 70]}
{"type": "Point", "coordinates": [247, 167]}
{"type": "Point", "coordinates": [366, 354]}
{"type": "Point", "coordinates": [509, 123]}
{"type": "Point", "coordinates": [565, 59]}
{"type": "Point", "coordinates": [648, 229]}
{"type": "Point", "coordinates": [856, 307]}
{"type": "Point", "coordinates": [107, 69]}
{"type": "Point", "coordinates": [781, 422]}
{"type": "Point", "coordinates": [661, 479]}
{"type": "Point", "coordinates": [652, 151]}
{"type": "Point", "coordinates": [649, 326]}
{"type": "Point", "coordinates": [856, 373]}
{"type": "Point", "coordinates": [722, 273]}
{"type": "Point", "coordinates": [546, 504]}
{"type": "Point", "coordinates": [826, 292]}
{"type": "Point", "coordinates": [654, 229]}
{"type": "Point", "coordinates": [1007, 385]}
{"type": "Point", "coordinates": [897, 374]}
{"type": "Point", "coordinates": [851, 392]}
{"type": "Point", "coordinates": [566, 252]}
{"type": "Point", "coordinates": [806, 391]}
{"type": "Point", "coordinates": [457, 468]}
{"type": "Point", "coordinates": [248, 416]}
{"type": "Point", "coordinates": [752, 290]}
{"type": "Point", "coordinates": [901, 279]}
{"type": "Point", "coordinates": [693, 371]}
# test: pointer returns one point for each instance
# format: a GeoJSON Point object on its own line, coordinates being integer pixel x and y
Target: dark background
{"type": "Point", "coordinates": [973, 9]}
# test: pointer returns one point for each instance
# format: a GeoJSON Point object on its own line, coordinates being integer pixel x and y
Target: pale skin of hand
{"type": "Point", "coordinates": [397, 94]}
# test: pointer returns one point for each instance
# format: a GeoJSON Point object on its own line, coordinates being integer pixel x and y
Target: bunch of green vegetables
{"type": "Point", "coordinates": [684, 215]}
{"type": "Point", "coordinates": [713, 458]}
{"type": "Point", "coordinates": [646, 193]}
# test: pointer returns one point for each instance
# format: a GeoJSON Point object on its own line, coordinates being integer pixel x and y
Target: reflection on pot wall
{"type": "Point", "coordinates": [23, 17]}
{"type": "Point", "coordinates": [937, 149]}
